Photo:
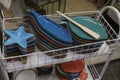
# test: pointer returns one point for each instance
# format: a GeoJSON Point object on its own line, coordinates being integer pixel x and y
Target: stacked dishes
{"type": "Point", "coordinates": [81, 37]}
{"type": "Point", "coordinates": [45, 70]}
{"type": "Point", "coordinates": [49, 34]}
{"type": "Point", "coordinates": [18, 42]}
{"type": "Point", "coordinates": [72, 70]}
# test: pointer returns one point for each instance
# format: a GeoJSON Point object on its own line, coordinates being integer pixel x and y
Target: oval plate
{"type": "Point", "coordinates": [90, 23]}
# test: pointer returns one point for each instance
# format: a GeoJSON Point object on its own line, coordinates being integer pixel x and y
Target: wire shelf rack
{"type": "Point", "coordinates": [83, 51]}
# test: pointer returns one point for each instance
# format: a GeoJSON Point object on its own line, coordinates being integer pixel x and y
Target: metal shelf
{"type": "Point", "coordinates": [54, 76]}
{"type": "Point", "coordinates": [38, 59]}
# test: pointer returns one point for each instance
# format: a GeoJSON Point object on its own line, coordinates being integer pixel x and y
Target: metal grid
{"type": "Point", "coordinates": [38, 58]}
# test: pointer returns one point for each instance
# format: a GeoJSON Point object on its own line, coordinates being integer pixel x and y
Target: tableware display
{"type": "Point", "coordinates": [82, 37]}
{"type": "Point", "coordinates": [82, 27]}
{"type": "Point", "coordinates": [71, 70]}
{"type": "Point", "coordinates": [52, 28]}
{"type": "Point", "coordinates": [18, 42]}
{"type": "Point", "coordinates": [49, 34]}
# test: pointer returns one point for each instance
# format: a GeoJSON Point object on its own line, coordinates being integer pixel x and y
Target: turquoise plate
{"type": "Point", "coordinates": [90, 23]}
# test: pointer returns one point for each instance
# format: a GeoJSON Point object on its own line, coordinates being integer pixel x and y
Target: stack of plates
{"type": "Point", "coordinates": [49, 34]}
{"type": "Point", "coordinates": [72, 70]}
{"type": "Point", "coordinates": [81, 37]}
{"type": "Point", "coordinates": [18, 42]}
{"type": "Point", "coordinates": [45, 70]}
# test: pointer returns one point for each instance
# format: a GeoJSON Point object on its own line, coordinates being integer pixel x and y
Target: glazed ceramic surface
{"type": "Point", "coordinates": [52, 27]}
{"type": "Point", "coordinates": [18, 37]}
{"type": "Point", "coordinates": [90, 23]}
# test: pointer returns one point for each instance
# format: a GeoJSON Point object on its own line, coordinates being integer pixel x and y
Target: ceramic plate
{"type": "Point", "coordinates": [41, 32]}
{"type": "Point", "coordinates": [26, 75]}
{"type": "Point", "coordinates": [90, 23]}
{"type": "Point", "coordinates": [73, 66]}
{"type": "Point", "coordinates": [54, 29]}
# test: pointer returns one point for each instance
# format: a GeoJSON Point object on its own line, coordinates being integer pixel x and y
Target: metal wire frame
{"type": "Point", "coordinates": [41, 59]}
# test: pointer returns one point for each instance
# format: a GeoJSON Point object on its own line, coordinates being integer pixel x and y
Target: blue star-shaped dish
{"type": "Point", "coordinates": [18, 37]}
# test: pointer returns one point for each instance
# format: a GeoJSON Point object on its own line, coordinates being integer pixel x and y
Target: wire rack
{"type": "Point", "coordinates": [38, 58]}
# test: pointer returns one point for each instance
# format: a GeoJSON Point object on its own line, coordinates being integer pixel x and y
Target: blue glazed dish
{"type": "Point", "coordinates": [44, 33]}
{"type": "Point", "coordinates": [41, 39]}
{"type": "Point", "coordinates": [52, 28]}
{"type": "Point", "coordinates": [19, 37]}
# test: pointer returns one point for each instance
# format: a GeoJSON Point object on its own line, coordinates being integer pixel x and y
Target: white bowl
{"type": "Point", "coordinates": [26, 75]}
